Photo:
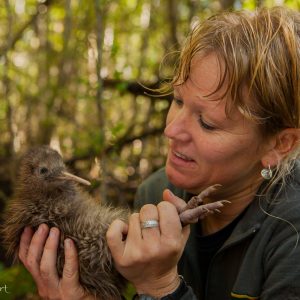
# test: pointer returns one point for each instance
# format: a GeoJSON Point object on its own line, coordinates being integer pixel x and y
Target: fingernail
{"type": "Point", "coordinates": [68, 243]}
{"type": "Point", "coordinates": [171, 193]}
{"type": "Point", "coordinates": [41, 229]}
{"type": "Point", "coordinates": [53, 232]}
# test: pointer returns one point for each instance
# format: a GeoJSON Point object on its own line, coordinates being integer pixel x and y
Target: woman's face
{"type": "Point", "coordinates": [205, 146]}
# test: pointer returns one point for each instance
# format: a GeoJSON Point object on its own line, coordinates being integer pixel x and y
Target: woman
{"type": "Point", "coordinates": [234, 121]}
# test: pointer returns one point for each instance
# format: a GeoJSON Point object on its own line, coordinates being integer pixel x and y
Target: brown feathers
{"type": "Point", "coordinates": [44, 194]}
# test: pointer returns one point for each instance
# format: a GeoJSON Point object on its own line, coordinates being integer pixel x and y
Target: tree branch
{"type": "Point", "coordinates": [12, 42]}
{"type": "Point", "coordinates": [136, 88]}
{"type": "Point", "coordinates": [121, 143]}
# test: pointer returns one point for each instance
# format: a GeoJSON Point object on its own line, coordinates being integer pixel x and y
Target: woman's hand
{"type": "Point", "coordinates": [38, 252]}
{"type": "Point", "coordinates": [148, 257]}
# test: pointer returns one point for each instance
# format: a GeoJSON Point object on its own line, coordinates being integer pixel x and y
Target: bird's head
{"type": "Point", "coordinates": [43, 167]}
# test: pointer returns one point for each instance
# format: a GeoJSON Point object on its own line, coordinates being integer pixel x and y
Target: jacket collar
{"type": "Point", "coordinates": [260, 207]}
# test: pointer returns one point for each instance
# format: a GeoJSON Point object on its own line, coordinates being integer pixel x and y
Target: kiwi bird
{"type": "Point", "coordinates": [47, 193]}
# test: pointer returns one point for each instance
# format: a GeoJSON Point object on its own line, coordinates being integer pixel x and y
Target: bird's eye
{"type": "Point", "coordinates": [43, 170]}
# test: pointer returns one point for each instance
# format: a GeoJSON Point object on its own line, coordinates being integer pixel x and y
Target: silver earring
{"type": "Point", "coordinates": [266, 173]}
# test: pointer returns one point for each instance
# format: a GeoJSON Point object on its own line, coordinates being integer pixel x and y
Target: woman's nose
{"type": "Point", "coordinates": [177, 126]}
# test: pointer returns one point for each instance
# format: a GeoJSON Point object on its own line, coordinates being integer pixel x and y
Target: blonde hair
{"type": "Point", "coordinates": [261, 52]}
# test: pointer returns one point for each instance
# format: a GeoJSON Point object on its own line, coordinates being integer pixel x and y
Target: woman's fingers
{"type": "Point", "coordinates": [148, 254]}
{"type": "Point", "coordinates": [170, 223]}
{"type": "Point", "coordinates": [48, 269]}
{"type": "Point", "coordinates": [35, 250]}
{"type": "Point", "coordinates": [70, 271]}
{"type": "Point", "coordinates": [115, 237]}
{"type": "Point", "coordinates": [30, 253]}
{"type": "Point", "coordinates": [149, 212]}
{"type": "Point", "coordinates": [25, 243]}
{"type": "Point", "coordinates": [69, 283]}
{"type": "Point", "coordinates": [169, 220]}
{"type": "Point", "coordinates": [38, 252]}
{"type": "Point", "coordinates": [170, 197]}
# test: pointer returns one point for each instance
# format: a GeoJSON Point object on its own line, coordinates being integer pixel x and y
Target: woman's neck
{"type": "Point", "coordinates": [240, 199]}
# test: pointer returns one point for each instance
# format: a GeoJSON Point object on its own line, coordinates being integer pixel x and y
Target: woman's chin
{"type": "Point", "coordinates": [179, 179]}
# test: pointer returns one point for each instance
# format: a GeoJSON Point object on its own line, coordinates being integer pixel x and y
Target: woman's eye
{"type": "Point", "coordinates": [205, 125]}
{"type": "Point", "coordinates": [178, 102]}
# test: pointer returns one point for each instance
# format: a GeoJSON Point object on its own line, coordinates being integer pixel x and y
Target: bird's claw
{"type": "Point", "coordinates": [195, 201]}
{"type": "Point", "coordinates": [195, 209]}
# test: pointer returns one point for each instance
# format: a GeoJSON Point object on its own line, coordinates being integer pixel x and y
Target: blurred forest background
{"type": "Point", "coordinates": [77, 75]}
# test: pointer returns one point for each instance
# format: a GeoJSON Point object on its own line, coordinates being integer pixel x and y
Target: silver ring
{"type": "Point", "coordinates": [149, 224]}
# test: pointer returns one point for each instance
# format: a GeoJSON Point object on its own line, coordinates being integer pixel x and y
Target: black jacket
{"type": "Point", "coordinates": [260, 259]}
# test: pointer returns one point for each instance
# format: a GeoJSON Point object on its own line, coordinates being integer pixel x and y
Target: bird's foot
{"type": "Point", "coordinates": [195, 209]}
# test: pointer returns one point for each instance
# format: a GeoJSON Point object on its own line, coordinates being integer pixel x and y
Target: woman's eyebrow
{"type": "Point", "coordinates": [177, 95]}
{"type": "Point", "coordinates": [202, 103]}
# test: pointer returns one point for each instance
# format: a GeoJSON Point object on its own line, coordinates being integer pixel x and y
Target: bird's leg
{"type": "Point", "coordinates": [195, 209]}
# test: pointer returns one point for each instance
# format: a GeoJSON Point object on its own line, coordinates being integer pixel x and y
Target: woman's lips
{"type": "Point", "coordinates": [182, 156]}
{"type": "Point", "coordinates": [179, 159]}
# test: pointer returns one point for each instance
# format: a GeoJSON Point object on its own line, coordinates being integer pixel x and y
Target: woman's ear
{"type": "Point", "coordinates": [283, 143]}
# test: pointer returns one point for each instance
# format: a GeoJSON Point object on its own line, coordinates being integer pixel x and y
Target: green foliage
{"type": "Point", "coordinates": [17, 281]}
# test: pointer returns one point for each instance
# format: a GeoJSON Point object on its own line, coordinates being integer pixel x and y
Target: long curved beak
{"type": "Point", "coordinates": [70, 176]}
